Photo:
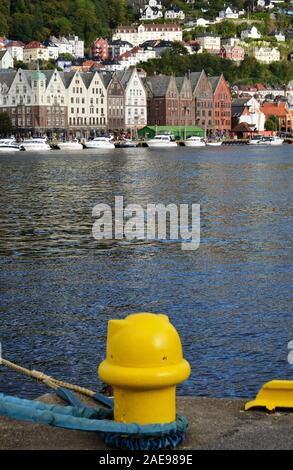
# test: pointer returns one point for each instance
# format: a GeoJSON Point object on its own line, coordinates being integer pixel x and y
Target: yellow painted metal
{"type": "Point", "coordinates": [144, 364]}
{"type": "Point", "coordinates": [274, 394]}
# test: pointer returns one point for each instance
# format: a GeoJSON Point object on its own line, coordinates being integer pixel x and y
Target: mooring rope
{"type": "Point", "coordinates": [47, 379]}
{"type": "Point", "coordinates": [81, 417]}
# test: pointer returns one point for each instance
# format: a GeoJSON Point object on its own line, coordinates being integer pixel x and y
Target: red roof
{"type": "Point", "coordinates": [15, 44]}
{"type": "Point", "coordinates": [33, 45]}
{"type": "Point", "coordinates": [274, 109]}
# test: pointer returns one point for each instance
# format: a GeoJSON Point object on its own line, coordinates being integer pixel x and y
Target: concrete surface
{"type": "Point", "coordinates": [213, 424]}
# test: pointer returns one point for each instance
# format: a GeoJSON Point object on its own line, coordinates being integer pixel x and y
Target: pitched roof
{"type": "Point", "coordinates": [159, 84]}
{"type": "Point", "coordinates": [214, 82]}
{"type": "Point", "coordinates": [274, 109]}
{"type": "Point", "coordinates": [7, 77]}
{"type": "Point", "coordinates": [194, 77]}
{"type": "Point", "coordinates": [2, 54]}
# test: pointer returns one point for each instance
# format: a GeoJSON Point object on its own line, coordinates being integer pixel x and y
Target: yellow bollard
{"type": "Point", "coordinates": [144, 364]}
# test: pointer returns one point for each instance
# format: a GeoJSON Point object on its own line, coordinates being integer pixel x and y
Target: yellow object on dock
{"type": "Point", "coordinates": [144, 364]}
{"type": "Point", "coordinates": [274, 394]}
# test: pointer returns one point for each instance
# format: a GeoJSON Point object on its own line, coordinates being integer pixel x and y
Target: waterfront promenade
{"type": "Point", "coordinates": [213, 424]}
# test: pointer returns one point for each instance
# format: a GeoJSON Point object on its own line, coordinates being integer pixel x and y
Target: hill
{"type": "Point", "coordinates": [36, 19]}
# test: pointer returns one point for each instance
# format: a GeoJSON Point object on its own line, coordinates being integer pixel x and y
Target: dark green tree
{"type": "Point", "coordinates": [6, 126]}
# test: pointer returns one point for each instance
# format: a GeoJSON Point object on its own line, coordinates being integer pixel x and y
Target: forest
{"type": "Point", "coordinates": [249, 72]}
{"type": "Point", "coordinates": [37, 19]}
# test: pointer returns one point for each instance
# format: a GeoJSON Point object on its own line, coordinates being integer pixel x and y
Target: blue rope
{"type": "Point", "coordinates": [83, 418]}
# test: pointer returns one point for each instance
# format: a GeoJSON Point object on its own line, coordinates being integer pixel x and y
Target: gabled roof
{"type": "Point", "coordinates": [2, 54]}
{"type": "Point", "coordinates": [194, 77]}
{"type": "Point", "coordinates": [159, 84]}
{"type": "Point", "coordinates": [67, 77]}
{"type": "Point", "coordinates": [7, 77]}
{"type": "Point", "coordinates": [124, 76]}
{"type": "Point", "coordinates": [214, 81]}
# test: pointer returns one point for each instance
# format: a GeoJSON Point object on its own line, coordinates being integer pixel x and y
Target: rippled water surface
{"type": "Point", "coordinates": [231, 300]}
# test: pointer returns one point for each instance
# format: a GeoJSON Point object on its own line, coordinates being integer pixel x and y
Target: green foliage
{"type": "Point", "coordinates": [249, 72]}
{"type": "Point", "coordinates": [5, 124]}
{"type": "Point", "coordinates": [26, 20]}
{"type": "Point", "coordinates": [272, 123]}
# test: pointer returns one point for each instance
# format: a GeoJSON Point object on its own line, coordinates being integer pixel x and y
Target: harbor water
{"type": "Point", "coordinates": [230, 300]}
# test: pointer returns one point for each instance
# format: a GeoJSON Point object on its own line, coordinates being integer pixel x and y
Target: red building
{"type": "Point", "coordinates": [203, 100]}
{"type": "Point", "coordinates": [186, 102]}
{"type": "Point", "coordinates": [222, 100]}
{"type": "Point", "coordinates": [100, 48]}
{"type": "Point", "coordinates": [232, 53]}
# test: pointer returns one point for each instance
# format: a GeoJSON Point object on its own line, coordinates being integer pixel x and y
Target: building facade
{"type": "Point", "coordinates": [116, 115]}
{"type": "Point", "coordinates": [6, 60]}
{"type": "Point", "coordinates": [222, 100]}
{"type": "Point", "coordinates": [137, 35]}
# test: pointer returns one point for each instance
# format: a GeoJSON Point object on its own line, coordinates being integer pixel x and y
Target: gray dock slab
{"type": "Point", "coordinates": [213, 424]}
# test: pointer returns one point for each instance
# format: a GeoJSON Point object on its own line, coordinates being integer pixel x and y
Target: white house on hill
{"type": "Point", "coordinates": [151, 11]}
{"type": "Point", "coordinates": [6, 60]}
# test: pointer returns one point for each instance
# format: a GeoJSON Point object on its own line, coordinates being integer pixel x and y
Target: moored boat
{"type": "Point", "coordinates": [70, 145]}
{"type": "Point", "coordinates": [162, 141]}
{"type": "Point", "coordinates": [265, 140]}
{"type": "Point", "coordinates": [9, 145]}
{"type": "Point", "coordinates": [194, 141]}
{"type": "Point", "coordinates": [215, 143]}
{"type": "Point", "coordinates": [39, 144]}
{"type": "Point", "coordinates": [99, 143]}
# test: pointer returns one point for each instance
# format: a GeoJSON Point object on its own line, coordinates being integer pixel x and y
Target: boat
{"type": "Point", "coordinates": [162, 141]}
{"type": "Point", "coordinates": [264, 140]}
{"type": "Point", "coordinates": [99, 143]}
{"type": "Point", "coordinates": [38, 144]}
{"type": "Point", "coordinates": [275, 140]}
{"type": "Point", "coordinates": [215, 143]}
{"type": "Point", "coordinates": [194, 142]}
{"type": "Point", "coordinates": [9, 145]}
{"type": "Point", "coordinates": [70, 145]}
{"type": "Point", "coordinates": [126, 143]}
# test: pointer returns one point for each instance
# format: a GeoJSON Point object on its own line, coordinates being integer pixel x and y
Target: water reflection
{"type": "Point", "coordinates": [231, 300]}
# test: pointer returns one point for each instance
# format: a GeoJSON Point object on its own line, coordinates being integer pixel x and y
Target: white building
{"type": "Point", "coordinates": [117, 48]}
{"type": "Point", "coordinates": [6, 60]}
{"type": "Point", "coordinates": [280, 37]}
{"type": "Point", "coordinates": [251, 33]}
{"type": "Point", "coordinates": [135, 56]}
{"type": "Point", "coordinates": [152, 11]}
{"type": "Point", "coordinates": [35, 51]}
{"type": "Point", "coordinates": [265, 4]}
{"type": "Point", "coordinates": [202, 22]}
{"type": "Point", "coordinates": [174, 13]}
{"type": "Point", "coordinates": [87, 100]}
{"type": "Point", "coordinates": [63, 45]}
{"type": "Point", "coordinates": [16, 50]}
{"type": "Point", "coordinates": [135, 99]}
{"type": "Point", "coordinates": [209, 42]}
{"type": "Point", "coordinates": [137, 35]}
{"type": "Point", "coordinates": [228, 14]}
{"type": "Point", "coordinates": [249, 110]}
{"type": "Point", "coordinates": [77, 46]}
{"type": "Point", "coordinates": [266, 55]}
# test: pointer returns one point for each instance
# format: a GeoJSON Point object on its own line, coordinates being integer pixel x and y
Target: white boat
{"type": "Point", "coordinates": [70, 145]}
{"type": "Point", "coordinates": [9, 145]}
{"type": "Point", "coordinates": [99, 143]}
{"type": "Point", "coordinates": [162, 141]}
{"type": "Point", "coordinates": [276, 140]}
{"type": "Point", "coordinates": [263, 140]}
{"type": "Point", "coordinates": [194, 142]}
{"type": "Point", "coordinates": [38, 144]}
{"type": "Point", "coordinates": [216, 143]}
